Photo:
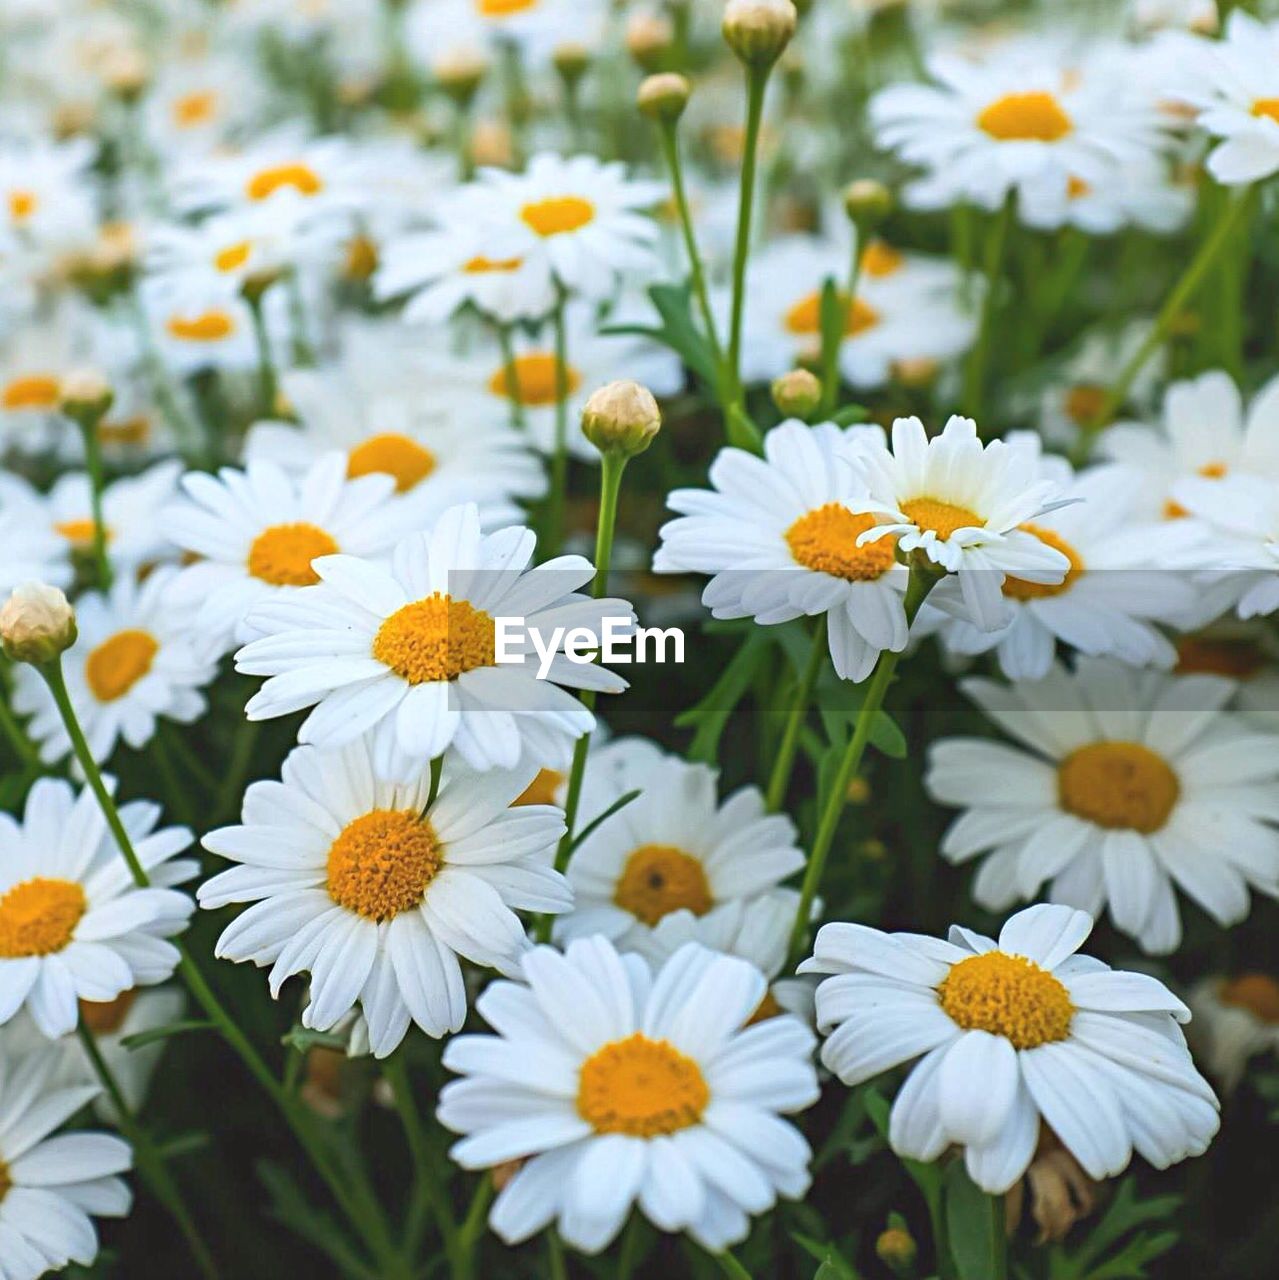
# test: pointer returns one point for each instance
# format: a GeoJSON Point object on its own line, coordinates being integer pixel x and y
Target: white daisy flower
{"type": "Point", "coordinates": [1012, 1036]}
{"type": "Point", "coordinates": [376, 890]}
{"type": "Point", "coordinates": [1117, 588]}
{"type": "Point", "coordinates": [254, 533]}
{"type": "Point", "coordinates": [673, 848]}
{"type": "Point", "coordinates": [580, 216]}
{"type": "Point", "coordinates": [621, 1087]}
{"type": "Point", "coordinates": [198, 322]}
{"type": "Point", "coordinates": [73, 925]}
{"type": "Point", "coordinates": [1144, 196]}
{"type": "Point", "coordinates": [51, 1185]}
{"type": "Point", "coordinates": [962, 504]}
{"type": "Point", "coordinates": [196, 104]}
{"type": "Point", "coordinates": [1177, 15]}
{"type": "Point", "coordinates": [1235, 1019]}
{"type": "Point", "coordinates": [1133, 782]}
{"type": "Point", "coordinates": [409, 653]}
{"type": "Point", "coordinates": [32, 552]}
{"type": "Point", "coordinates": [781, 535]}
{"type": "Point", "coordinates": [444, 29]}
{"type": "Point", "coordinates": [34, 360]}
{"type": "Point", "coordinates": [134, 661]}
{"type": "Point", "coordinates": [47, 197]}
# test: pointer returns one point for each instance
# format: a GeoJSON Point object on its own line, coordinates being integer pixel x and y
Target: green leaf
{"type": "Point", "coordinates": [678, 330]}
{"type": "Point", "coordinates": [617, 804]}
{"type": "Point", "coordinates": [183, 1144]}
{"type": "Point", "coordinates": [850, 415]}
{"type": "Point", "coordinates": [314, 1225]}
{"type": "Point", "coordinates": [970, 1224]}
{"type": "Point", "coordinates": [141, 1039]}
{"type": "Point", "coordinates": [886, 736]}
{"type": "Point", "coordinates": [711, 714]}
{"type": "Point", "coordinates": [832, 1265]}
{"type": "Point", "coordinates": [303, 1038]}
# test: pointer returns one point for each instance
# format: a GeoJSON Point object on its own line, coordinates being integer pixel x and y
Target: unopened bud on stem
{"type": "Point", "coordinates": [37, 624]}
{"type": "Point", "coordinates": [664, 96]}
{"type": "Point", "coordinates": [86, 397]}
{"type": "Point", "coordinates": [867, 204]}
{"type": "Point", "coordinates": [797, 393]}
{"type": "Point", "coordinates": [621, 418]}
{"type": "Point", "coordinates": [758, 30]}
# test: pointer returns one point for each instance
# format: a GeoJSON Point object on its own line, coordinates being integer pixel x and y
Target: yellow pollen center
{"type": "Point", "coordinates": [213, 325]}
{"type": "Point", "coordinates": [1007, 996]}
{"type": "Point", "coordinates": [382, 862]}
{"type": "Point", "coordinates": [5, 1181]}
{"type": "Point", "coordinates": [1077, 188]}
{"type": "Point", "coordinates": [1122, 786]}
{"type": "Point", "coordinates": [22, 204]}
{"type": "Point", "coordinates": [1025, 117]}
{"type": "Point", "coordinates": [193, 109]}
{"type": "Point", "coordinates": [825, 540]}
{"type": "Point", "coordinates": [503, 8]}
{"type": "Point", "coordinates": [558, 215]}
{"type": "Point", "coordinates": [106, 1017]}
{"type": "Point", "coordinates": [535, 380]}
{"type": "Point", "coordinates": [768, 1008]}
{"type": "Point", "coordinates": [437, 638]}
{"type": "Point", "coordinates": [640, 1087]}
{"type": "Point", "coordinates": [880, 260]}
{"type": "Point", "coordinates": [1256, 992]}
{"type": "Point", "coordinates": [1022, 589]}
{"type": "Point", "coordinates": [1084, 403]}
{"type": "Point", "coordinates": [361, 259]}
{"type": "Point", "coordinates": [659, 879]}
{"type": "Point", "coordinates": [266, 182]}
{"type": "Point", "coordinates": [233, 257]}
{"type": "Point", "coordinates": [34, 391]}
{"type": "Point", "coordinates": [1266, 108]}
{"type": "Point", "coordinates": [1239, 659]}
{"type": "Point", "coordinates": [118, 663]}
{"type": "Point", "coordinates": [1213, 470]}
{"type": "Point", "coordinates": [484, 266]}
{"type": "Point", "coordinates": [282, 553]}
{"type": "Point", "coordinates": [125, 431]}
{"type": "Point", "coordinates": [391, 454]}
{"type": "Point", "coordinates": [38, 917]}
{"type": "Point", "coordinates": [942, 518]}
{"type": "Point", "coordinates": [805, 317]}
{"type": "Point", "coordinates": [78, 532]}
{"type": "Point", "coordinates": [542, 789]}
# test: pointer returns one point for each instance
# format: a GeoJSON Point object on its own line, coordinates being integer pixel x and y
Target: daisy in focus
{"type": "Point", "coordinates": [1013, 1037]}
{"type": "Point", "coordinates": [377, 890]}
{"type": "Point", "coordinates": [674, 848]}
{"type": "Point", "coordinates": [408, 653]}
{"type": "Point", "coordinates": [1125, 784]}
{"type": "Point", "coordinates": [73, 925]}
{"type": "Point", "coordinates": [619, 1086]}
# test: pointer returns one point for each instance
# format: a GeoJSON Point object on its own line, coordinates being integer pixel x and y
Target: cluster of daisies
{"type": "Point", "coordinates": [307, 312]}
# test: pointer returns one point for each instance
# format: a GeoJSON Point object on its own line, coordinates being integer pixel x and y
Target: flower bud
{"type": "Point", "coordinates": [571, 61]}
{"type": "Point", "coordinates": [797, 393]}
{"type": "Point", "coordinates": [649, 38]}
{"type": "Point", "coordinates": [86, 396]}
{"type": "Point", "coordinates": [125, 72]}
{"type": "Point", "coordinates": [664, 96]}
{"type": "Point", "coordinates": [460, 72]}
{"type": "Point", "coordinates": [36, 624]}
{"type": "Point", "coordinates": [621, 417]}
{"type": "Point", "coordinates": [867, 203]}
{"type": "Point", "coordinates": [896, 1250]}
{"type": "Point", "coordinates": [758, 30]}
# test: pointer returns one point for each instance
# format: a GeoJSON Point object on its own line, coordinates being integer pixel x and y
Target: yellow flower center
{"type": "Point", "coordinates": [1025, 117]}
{"type": "Point", "coordinates": [503, 8]}
{"type": "Point", "coordinates": [826, 540]}
{"type": "Point", "coordinates": [641, 1087]}
{"type": "Point", "coordinates": [768, 1008]}
{"type": "Point", "coordinates": [266, 182]}
{"type": "Point", "coordinates": [659, 879]}
{"type": "Point", "coordinates": [233, 257]}
{"type": "Point", "coordinates": [125, 431]}
{"type": "Point", "coordinates": [213, 325]}
{"type": "Point", "coordinates": [38, 917]}
{"type": "Point", "coordinates": [1077, 188]}
{"type": "Point", "coordinates": [1214, 470]}
{"type": "Point", "coordinates": [33, 391]}
{"type": "Point", "coordinates": [361, 259]}
{"type": "Point", "coordinates": [282, 553]}
{"type": "Point", "coordinates": [1021, 589]}
{"type": "Point", "coordinates": [880, 260]}
{"type": "Point", "coordinates": [1122, 786]}
{"type": "Point", "coordinates": [483, 266]}
{"type": "Point", "coordinates": [22, 204]}
{"type": "Point", "coordinates": [558, 215]}
{"type": "Point", "coordinates": [1266, 108]}
{"type": "Point", "coordinates": [805, 317]}
{"type": "Point", "coordinates": [437, 638]}
{"type": "Point", "coordinates": [1007, 996]}
{"type": "Point", "coordinates": [105, 1017]}
{"type": "Point", "coordinates": [193, 109]}
{"type": "Point", "coordinates": [5, 1181]}
{"type": "Point", "coordinates": [1256, 992]}
{"type": "Point", "coordinates": [542, 789]}
{"type": "Point", "coordinates": [78, 532]}
{"type": "Point", "coordinates": [535, 380]}
{"type": "Point", "coordinates": [1084, 403]}
{"type": "Point", "coordinates": [391, 454]}
{"type": "Point", "coordinates": [1239, 659]}
{"type": "Point", "coordinates": [118, 663]}
{"type": "Point", "coordinates": [943, 518]}
{"type": "Point", "coordinates": [382, 862]}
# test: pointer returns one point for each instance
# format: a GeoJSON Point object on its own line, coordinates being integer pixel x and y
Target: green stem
{"type": "Point", "coordinates": [628, 1254]}
{"type": "Point", "coordinates": [469, 1234]}
{"type": "Point", "coordinates": [266, 366]}
{"type": "Point", "coordinates": [917, 590]}
{"type": "Point", "coordinates": [555, 1255]}
{"type": "Point", "coordinates": [93, 463]}
{"type": "Point", "coordinates": [730, 1266]}
{"type": "Point", "coordinates": [151, 1164]}
{"type": "Point", "coordinates": [785, 762]}
{"type": "Point", "coordinates": [559, 460]}
{"type": "Point", "coordinates": [975, 371]}
{"type": "Point", "coordinates": [1181, 294]}
{"type": "Point", "coordinates": [511, 373]}
{"type": "Point", "coordinates": [998, 1237]}
{"type": "Point", "coordinates": [237, 769]}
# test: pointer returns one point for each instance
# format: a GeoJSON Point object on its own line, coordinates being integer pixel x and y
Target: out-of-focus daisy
{"type": "Point", "coordinates": [198, 323]}
{"type": "Point", "coordinates": [32, 552]}
{"type": "Point", "coordinates": [73, 925]}
{"type": "Point", "coordinates": [135, 660]}
{"type": "Point", "coordinates": [1117, 587]}
{"type": "Point", "coordinates": [34, 360]}
{"type": "Point", "coordinates": [444, 29]}
{"type": "Point", "coordinates": [1141, 195]}
{"type": "Point", "coordinates": [906, 310]}
{"type": "Point", "coordinates": [1235, 1019]}
{"type": "Point", "coordinates": [1181, 15]}
{"type": "Point", "coordinates": [47, 193]}
{"type": "Point", "coordinates": [52, 1184]}
{"type": "Point", "coordinates": [377, 893]}
{"type": "Point", "coordinates": [1133, 782]}
{"type": "Point", "coordinates": [253, 534]}
{"type": "Point", "coordinates": [619, 1086]}
{"type": "Point", "coordinates": [408, 653]}
{"type": "Point", "coordinates": [672, 848]}
{"type": "Point", "coordinates": [1011, 1036]}
{"type": "Point", "coordinates": [196, 104]}
{"type": "Point", "coordinates": [780, 534]}
{"type": "Point", "coordinates": [963, 505]}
